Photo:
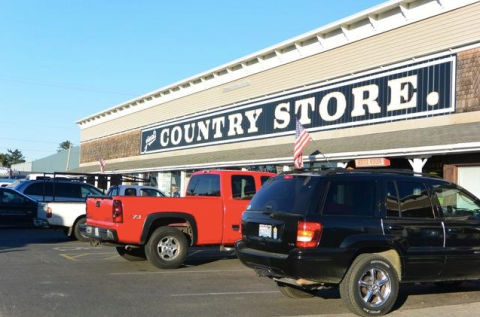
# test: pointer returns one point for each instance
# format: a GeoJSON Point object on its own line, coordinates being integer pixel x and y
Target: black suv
{"type": "Point", "coordinates": [364, 231]}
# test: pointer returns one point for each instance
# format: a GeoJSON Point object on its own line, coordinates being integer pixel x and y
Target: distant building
{"type": "Point", "coordinates": [60, 162]}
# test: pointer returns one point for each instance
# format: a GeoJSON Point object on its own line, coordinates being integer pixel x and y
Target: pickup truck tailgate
{"type": "Point", "coordinates": [100, 211]}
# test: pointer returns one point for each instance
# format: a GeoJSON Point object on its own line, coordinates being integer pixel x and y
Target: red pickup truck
{"type": "Point", "coordinates": [160, 229]}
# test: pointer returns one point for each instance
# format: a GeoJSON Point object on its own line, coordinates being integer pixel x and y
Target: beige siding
{"type": "Point", "coordinates": [451, 29]}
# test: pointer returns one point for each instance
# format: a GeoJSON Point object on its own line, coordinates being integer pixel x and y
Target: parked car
{"type": "Point", "coordinates": [362, 231]}
{"type": "Point", "coordinates": [63, 203]}
{"type": "Point", "coordinates": [134, 190]}
{"type": "Point", "coordinates": [16, 208]}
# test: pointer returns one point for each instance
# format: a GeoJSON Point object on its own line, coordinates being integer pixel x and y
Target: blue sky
{"type": "Point", "coordinates": [63, 60]}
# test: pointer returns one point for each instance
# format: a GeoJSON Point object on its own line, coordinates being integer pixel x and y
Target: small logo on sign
{"type": "Point", "coordinates": [150, 139]}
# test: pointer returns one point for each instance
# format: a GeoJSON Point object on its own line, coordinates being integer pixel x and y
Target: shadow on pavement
{"type": "Point", "coordinates": [12, 238]}
{"type": "Point", "coordinates": [202, 256]}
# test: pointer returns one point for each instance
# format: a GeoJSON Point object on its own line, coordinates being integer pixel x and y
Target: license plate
{"type": "Point", "coordinates": [96, 232]}
{"type": "Point", "coordinates": [265, 231]}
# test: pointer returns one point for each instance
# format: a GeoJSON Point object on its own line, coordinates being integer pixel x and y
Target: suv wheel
{"type": "Point", "coordinates": [167, 248]}
{"type": "Point", "coordinates": [370, 286]}
{"type": "Point", "coordinates": [294, 292]}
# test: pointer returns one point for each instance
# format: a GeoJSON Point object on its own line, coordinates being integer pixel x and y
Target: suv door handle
{"type": "Point", "coordinates": [394, 228]}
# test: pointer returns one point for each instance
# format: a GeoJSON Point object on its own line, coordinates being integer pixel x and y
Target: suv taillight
{"type": "Point", "coordinates": [49, 212]}
{"type": "Point", "coordinates": [117, 213]}
{"type": "Point", "coordinates": [308, 234]}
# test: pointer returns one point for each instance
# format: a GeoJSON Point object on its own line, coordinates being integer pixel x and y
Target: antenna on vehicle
{"type": "Point", "coordinates": [317, 151]}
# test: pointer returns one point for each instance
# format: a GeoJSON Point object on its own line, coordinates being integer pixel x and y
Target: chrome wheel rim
{"type": "Point", "coordinates": [168, 248]}
{"type": "Point", "coordinates": [374, 287]}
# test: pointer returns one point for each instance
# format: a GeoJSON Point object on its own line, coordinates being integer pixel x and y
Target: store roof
{"type": "Point", "coordinates": [460, 138]}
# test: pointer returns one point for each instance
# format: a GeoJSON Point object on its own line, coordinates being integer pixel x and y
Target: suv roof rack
{"type": "Point", "coordinates": [339, 170]}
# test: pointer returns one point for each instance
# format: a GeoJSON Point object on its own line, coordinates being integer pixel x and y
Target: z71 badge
{"type": "Point", "coordinates": [136, 217]}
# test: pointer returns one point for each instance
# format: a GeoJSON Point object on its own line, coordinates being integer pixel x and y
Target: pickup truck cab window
{"type": "Point", "coordinates": [148, 192]}
{"type": "Point", "coordinates": [263, 179]}
{"type": "Point", "coordinates": [456, 203]}
{"type": "Point", "coordinates": [243, 187]}
{"type": "Point", "coordinates": [204, 185]}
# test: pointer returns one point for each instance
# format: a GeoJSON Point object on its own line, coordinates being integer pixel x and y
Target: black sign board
{"type": "Point", "coordinates": [406, 91]}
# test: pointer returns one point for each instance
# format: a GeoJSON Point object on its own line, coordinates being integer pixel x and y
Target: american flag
{"type": "Point", "coordinates": [102, 163]}
{"type": "Point", "coordinates": [301, 140]}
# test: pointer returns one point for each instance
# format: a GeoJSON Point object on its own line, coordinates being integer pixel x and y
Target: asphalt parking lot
{"type": "Point", "coordinates": [42, 273]}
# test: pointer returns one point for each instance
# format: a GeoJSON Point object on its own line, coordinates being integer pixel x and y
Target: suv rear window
{"type": "Point", "coordinates": [287, 194]}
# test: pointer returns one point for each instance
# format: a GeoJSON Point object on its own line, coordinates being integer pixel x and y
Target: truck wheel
{"type": "Point", "coordinates": [370, 287]}
{"type": "Point", "coordinates": [132, 255]}
{"type": "Point", "coordinates": [166, 248]}
{"type": "Point", "coordinates": [294, 292]}
{"type": "Point", "coordinates": [76, 230]}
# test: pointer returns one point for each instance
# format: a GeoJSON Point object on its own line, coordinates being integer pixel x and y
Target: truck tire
{"type": "Point", "coordinates": [76, 230]}
{"type": "Point", "coordinates": [167, 248]}
{"type": "Point", "coordinates": [293, 292]}
{"type": "Point", "coordinates": [370, 287]}
{"type": "Point", "coordinates": [132, 255]}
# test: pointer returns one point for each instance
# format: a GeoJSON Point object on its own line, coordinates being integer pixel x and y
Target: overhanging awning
{"type": "Point", "coordinates": [459, 138]}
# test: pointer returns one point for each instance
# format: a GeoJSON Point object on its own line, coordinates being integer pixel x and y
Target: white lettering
{"type": "Point", "coordinates": [282, 116]}
{"type": "Point", "coordinates": [400, 91]}
{"type": "Point", "coordinates": [203, 127]}
{"type": "Point", "coordinates": [235, 122]}
{"type": "Point", "coordinates": [341, 106]}
{"type": "Point", "coordinates": [164, 139]}
{"type": "Point", "coordinates": [304, 106]}
{"type": "Point", "coordinates": [176, 135]}
{"type": "Point", "coordinates": [218, 124]}
{"type": "Point", "coordinates": [252, 116]}
{"type": "Point", "coordinates": [371, 101]}
{"type": "Point", "coordinates": [188, 138]}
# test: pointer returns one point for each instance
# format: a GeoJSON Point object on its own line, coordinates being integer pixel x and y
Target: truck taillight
{"type": "Point", "coordinates": [117, 213]}
{"type": "Point", "coordinates": [308, 234]}
{"type": "Point", "coordinates": [49, 212]}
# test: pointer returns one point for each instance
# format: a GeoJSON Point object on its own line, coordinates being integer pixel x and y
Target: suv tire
{"type": "Point", "coordinates": [132, 255]}
{"type": "Point", "coordinates": [367, 296]}
{"type": "Point", "coordinates": [167, 248]}
{"type": "Point", "coordinates": [294, 292]}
